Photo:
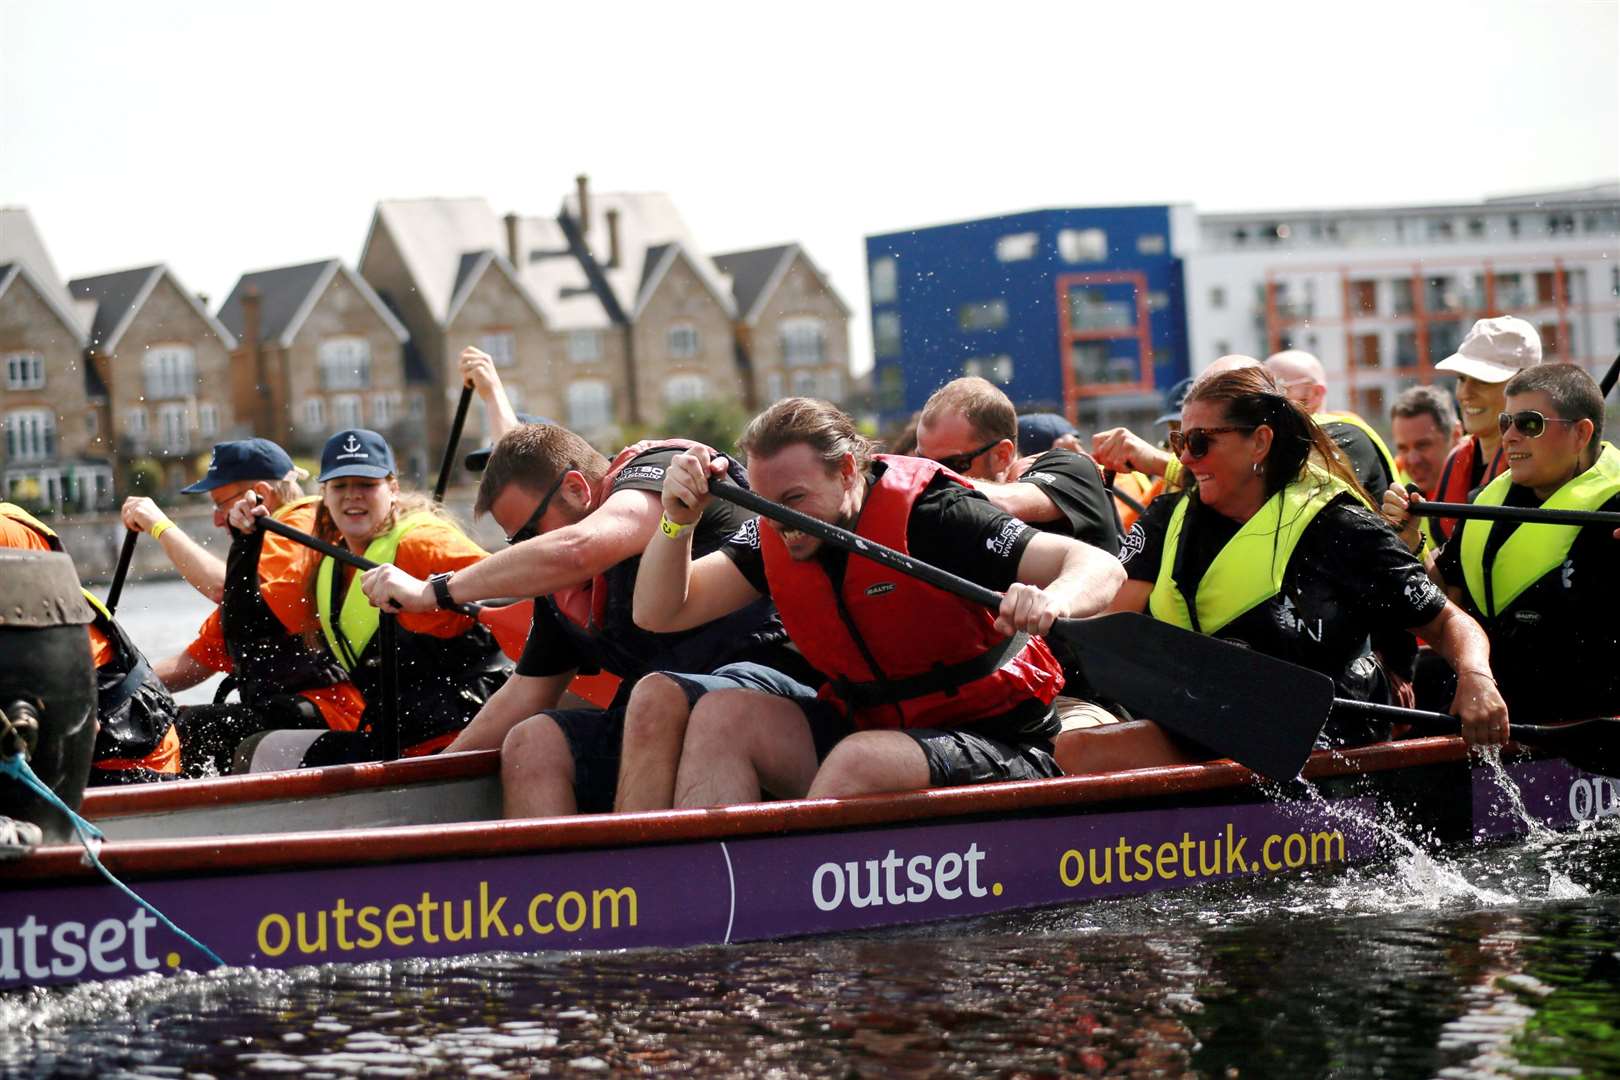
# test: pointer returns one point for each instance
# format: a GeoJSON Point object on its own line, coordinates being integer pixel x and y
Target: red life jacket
{"type": "Point", "coordinates": [1457, 480]}
{"type": "Point", "coordinates": [901, 653]}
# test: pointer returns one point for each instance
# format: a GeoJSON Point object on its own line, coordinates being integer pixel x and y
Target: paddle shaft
{"type": "Point", "coordinates": [1536, 515]}
{"type": "Point", "coordinates": [1610, 376]}
{"type": "Point", "coordinates": [125, 555]}
{"type": "Point", "coordinates": [342, 555]}
{"type": "Point", "coordinates": [1439, 721]}
{"type": "Point", "coordinates": [388, 736]}
{"type": "Point", "coordinates": [455, 440]}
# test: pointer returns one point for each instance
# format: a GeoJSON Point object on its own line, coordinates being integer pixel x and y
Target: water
{"type": "Point", "coordinates": [163, 618]}
{"type": "Point", "coordinates": [1488, 962]}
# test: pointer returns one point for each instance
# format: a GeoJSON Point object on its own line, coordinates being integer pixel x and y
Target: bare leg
{"type": "Point", "coordinates": [740, 742]}
{"type": "Point", "coordinates": [869, 762]}
{"type": "Point", "coordinates": [1133, 744]}
{"type": "Point", "coordinates": [654, 727]}
{"type": "Point", "coordinates": [537, 770]}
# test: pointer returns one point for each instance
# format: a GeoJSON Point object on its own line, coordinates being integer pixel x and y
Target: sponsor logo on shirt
{"type": "Point", "coordinates": [1039, 478]}
{"type": "Point", "coordinates": [651, 474]}
{"type": "Point", "coordinates": [1134, 542]}
{"type": "Point", "coordinates": [1001, 544]}
{"type": "Point", "coordinates": [747, 535]}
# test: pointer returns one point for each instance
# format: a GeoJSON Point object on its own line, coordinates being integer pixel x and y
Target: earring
{"type": "Point", "coordinates": [1256, 467]}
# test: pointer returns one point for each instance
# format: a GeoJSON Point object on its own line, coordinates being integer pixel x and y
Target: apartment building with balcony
{"type": "Point", "coordinates": [1072, 310]}
{"type": "Point", "coordinates": [1381, 294]}
{"type": "Point", "coordinates": [163, 363]}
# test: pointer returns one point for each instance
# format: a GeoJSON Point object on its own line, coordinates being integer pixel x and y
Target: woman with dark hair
{"type": "Point", "coordinates": [1273, 545]}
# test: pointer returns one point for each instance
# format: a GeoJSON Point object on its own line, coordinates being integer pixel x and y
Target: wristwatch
{"type": "Point", "coordinates": [441, 588]}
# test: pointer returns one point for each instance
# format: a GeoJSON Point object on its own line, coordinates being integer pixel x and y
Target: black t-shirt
{"type": "Point", "coordinates": [1365, 460]}
{"type": "Point", "coordinates": [1555, 652]}
{"type": "Point", "coordinates": [1075, 487]}
{"type": "Point", "coordinates": [951, 526]}
{"type": "Point", "coordinates": [557, 644]}
{"type": "Point", "coordinates": [1349, 578]}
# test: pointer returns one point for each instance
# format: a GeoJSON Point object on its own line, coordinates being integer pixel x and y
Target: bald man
{"type": "Point", "coordinates": [1304, 380]}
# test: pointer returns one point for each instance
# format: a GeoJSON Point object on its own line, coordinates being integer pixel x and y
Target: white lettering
{"type": "Point", "coordinates": [974, 858]}
{"type": "Point", "coordinates": [107, 937]}
{"type": "Point", "coordinates": [943, 877]}
{"type": "Point", "coordinates": [917, 872]}
{"type": "Point", "coordinates": [139, 924]}
{"type": "Point", "coordinates": [821, 898]}
{"type": "Point", "coordinates": [1580, 800]}
{"type": "Point", "coordinates": [31, 931]}
{"type": "Point", "coordinates": [69, 959]}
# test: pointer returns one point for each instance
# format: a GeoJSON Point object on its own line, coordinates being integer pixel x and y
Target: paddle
{"type": "Point", "coordinates": [388, 738]}
{"type": "Point", "coordinates": [125, 554]}
{"type": "Point", "coordinates": [450, 447]}
{"type": "Point", "coordinates": [1534, 514]}
{"type": "Point", "coordinates": [1610, 376]}
{"type": "Point", "coordinates": [1592, 744]}
{"type": "Point", "coordinates": [1261, 712]}
{"type": "Point", "coordinates": [1108, 484]}
{"type": "Point", "coordinates": [509, 624]}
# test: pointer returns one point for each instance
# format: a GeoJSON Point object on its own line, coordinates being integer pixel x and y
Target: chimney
{"type": "Point", "coordinates": [613, 238]}
{"type": "Point", "coordinates": [512, 252]}
{"type": "Point", "coordinates": [584, 184]}
{"type": "Point", "coordinates": [250, 317]}
{"type": "Point", "coordinates": [262, 410]}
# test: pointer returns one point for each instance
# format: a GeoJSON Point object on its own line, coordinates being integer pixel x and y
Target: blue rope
{"type": "Point", "coordinates": [18, 769]}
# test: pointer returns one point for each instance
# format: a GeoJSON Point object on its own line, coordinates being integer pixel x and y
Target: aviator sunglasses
{"type": "Point", "coordinates": [1195, 442]}
{"type": "Point", "coordinates": [961, 463]}
{"type": "Point", "coordinates": [531, 528]}
{"type": "Point", "coordinates": [1531, 424]}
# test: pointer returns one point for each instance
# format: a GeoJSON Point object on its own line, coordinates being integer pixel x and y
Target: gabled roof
{"type": "Point", "coordinates": [756, 274]}
{"type": "Point", "coordinates": [22, 245]}
{"type": "Point", "coordinates": [551, 270]}
{"type": "Point", "coordinates": [471, 270]}
{"type": "Point", "coordinates": [118, 298]}
{"type": "Point", "coordinates": [647, 220]}
{"type": "Point", "coordinates": [287, 294]}
{"type": "Point", "coordinates": [12, 272]}
{"type": "Point", "coordinates": [659, 259]}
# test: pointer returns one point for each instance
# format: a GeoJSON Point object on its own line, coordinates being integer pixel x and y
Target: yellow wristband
{"type": "Point", "coordinates": [669, 528]}
{"type": "Point", "coordinates": [159, 528]}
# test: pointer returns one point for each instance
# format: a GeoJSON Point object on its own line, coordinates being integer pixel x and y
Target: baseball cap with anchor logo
{"type": "Point", "coordinates": [356, 452]}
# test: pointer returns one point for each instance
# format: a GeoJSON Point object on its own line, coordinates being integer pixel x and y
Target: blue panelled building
{"type": "Point", "coordinates": [1077, 311]}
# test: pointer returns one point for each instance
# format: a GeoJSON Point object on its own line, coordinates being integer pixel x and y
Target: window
{"type": "Point", "coordinates": [1476, 227]}
{"type": "Point", "coordinates": [1406, 349]}
{"type": "Point", "coordinates": [418, 405]}
{"type": "Point", "coordinates": [584, 346]}
{"type": "Point", "coordinates": [174, 429]}
{"type": "Point", "coordinates": [1096, 363]}
{"type": "Point", "coordinates": [1083, 245]}
{"type": "Point", "coordinates": [347, 411]}
{"type": "Point", "coordinates": [683, 341]}
{"type": "Point", "coordinates": [885, 279]}
{"type": "Point", "coordinates": [891, 387]}
{"type": "Point", "coordinates": [803, 342]}
{"type": "Point", "coordinates": [590, 405]}
{"type": "Point", "coordinates": [1217, 297]}
{"type": "Point", "coordinates": [1016, 247]}
{"type": "Point", "coordinates": [314, 413]}
{"type": "Point", "coordinates": [1364, 297]}
{"type": "Point", "coordinates": [171, 371]}
{"type": "Point", "coordinates": [345, 363]}
{"type": "Point", "coordinates": [681, 388]}
{"type": "Point", "coordinates": [1157, 300]}
{"type": "Point", "coordinates": [383, 410]}
{"type": "Point", "coordinates": [501, 346]}
{"type": "Point", "coordinates": [1094, 309]}
{"type": "Point", "coordinates": [804, 384]}
{"type": "Point", "coordinates": [1560, 223]}
{"type": "Point", "coordinates": [832, 385]}
{"type": "Point", "coordinates": [30, 435]}
{"type": "Point", "coordinates": [135, 422]}
{"type": "Point", "coordinates": [773, 386]}
{"type": "Point", "coordinates": [208, 420]}
{"type": "Point", "coordinates": [25, 371]}
{"type": "Point", "coordinates": [984, 315]}
{"type": "Point", "coordinates": [1150, 244]}
{"type": "Point", "coordinates": [1441, 229]}
{"type": "Point", "coordinates": [1510, 291]}
{"type": "Point", "coordinates": [92, 425]}
{"type": "Point", "coordinates": [1365, 351]}
{"type": "Point", "coordinates": [886, 334]}
{"type": "Point", "coordinates": [997, 369]}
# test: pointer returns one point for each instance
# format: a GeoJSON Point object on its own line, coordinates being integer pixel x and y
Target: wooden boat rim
{"type": "Point", "coordinates": [475, 839]}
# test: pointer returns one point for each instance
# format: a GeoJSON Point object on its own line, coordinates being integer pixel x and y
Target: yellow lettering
{"type": "Point", "coordinates": [285, 929]}
{"type": "Point", "coordinates": [562, 906]}
{"type": "Point", "coordinates": [1329, 844]}
{"type": "Point", "coordinates": [1071, 878]}
{"type": "Point", "coordinates": [1266, 855]}
{"type": "Point", "coordinates": [1289, 846]}
{"type": "Point", "coordinates": [401, 917]}
{"type": "Point", "coordinates": [1168, 855]}
{"type": "Point", "coordinates": [534, 913]}
{"type": "Point", "coordinates": [319, 944]}
{"type": "Point", "coordinates": [366, 920]}
{"type": "Point", "coordinates": [1144, 864]}
{"type": "Point", "coordinates": [613, 896]}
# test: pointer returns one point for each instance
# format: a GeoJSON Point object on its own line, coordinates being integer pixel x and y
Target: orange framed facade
{"type": "Point", "coordinates": [1141, 331]}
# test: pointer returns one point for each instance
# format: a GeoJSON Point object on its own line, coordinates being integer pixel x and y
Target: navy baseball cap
{"type": "Point", "coordinates": [477, 459]}
{"type": "Point", "coordinates": [244, 459]}
{"type": "Point", "coordinates": [356, 452]}
{"type": "Point", "coordinates": [1038, 431]}
{"type": "Point", "coordinates": [1173, 399]}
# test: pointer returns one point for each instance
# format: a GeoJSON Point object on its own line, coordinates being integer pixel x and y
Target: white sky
{"type": "Point", "coordinates": [225, 137]}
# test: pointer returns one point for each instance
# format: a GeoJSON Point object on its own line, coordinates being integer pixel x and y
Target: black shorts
{"type": "Point", "coordinates": [957, 756]}
{"type": "Point", "coordinates": [596, 740]}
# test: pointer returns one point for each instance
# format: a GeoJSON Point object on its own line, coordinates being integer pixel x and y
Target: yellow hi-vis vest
{"type": "Point", "coordinates": [1377, 440]}
{"type": "Point", "coordinates": [358, 619]}
{"type": "Point", "coordinates": [1533, 550]}
{"type": "Point", "coordinates": [1249, 569]}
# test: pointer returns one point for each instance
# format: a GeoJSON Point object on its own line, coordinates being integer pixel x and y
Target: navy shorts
{"type": "Point", "coordinates": [595, 739]}
{"type": "Point", "coordinates": [955, 755]}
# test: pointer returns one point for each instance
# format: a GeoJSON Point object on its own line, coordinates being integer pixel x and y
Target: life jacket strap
{"type": "Point", "coordinates": [942, 678]}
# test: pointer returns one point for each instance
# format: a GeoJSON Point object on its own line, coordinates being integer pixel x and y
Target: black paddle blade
{"type": "Point", "coordinates": [1262, 712]}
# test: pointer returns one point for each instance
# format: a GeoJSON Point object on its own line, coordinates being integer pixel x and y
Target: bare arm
{"type": "Point", "coordinates": [1132, 596]}
{"type": "Point", "coordinates": [1058, 578]}
{"type": "Point", "coordinates": [1026, 502]}
{"type": "Point", "coordinates": [202, 571]}
{"type": "Point", "coordinates": [519, 698]}
{"type": "Point", "coordinates": [672, 592]}
{"type": "Point", "coordinates": [181, 672]}
{"type": "Point", "coordinates": [478, 371]}
{"type": "Point", "coordinates": [1463, 644]}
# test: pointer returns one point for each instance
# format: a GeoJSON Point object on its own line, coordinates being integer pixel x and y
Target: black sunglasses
{"type": "Point", "coordinates": [961, 463]}
{"type": "Point", "coordinates": [1531, 424]}
{"type": "Point", "coordinates": [1195, 442]}
{"type": "Point", "coordinates": [531, 528]}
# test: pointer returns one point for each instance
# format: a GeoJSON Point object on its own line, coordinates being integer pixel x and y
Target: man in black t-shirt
{"type": "Point", "coordinates": [577, 525]}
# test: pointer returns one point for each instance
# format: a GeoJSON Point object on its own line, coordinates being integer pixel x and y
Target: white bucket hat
{"type": "Point", "coordinates": [1495, 350]}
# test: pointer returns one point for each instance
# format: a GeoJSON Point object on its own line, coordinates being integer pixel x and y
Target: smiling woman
{"type": "Point", "coordinates": [448, 665]}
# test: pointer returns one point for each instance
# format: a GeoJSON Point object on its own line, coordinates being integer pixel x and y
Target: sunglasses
{"type": "Point", "coordinates": [531, 528]}
{"type": "Point", "coordinates": [1531, 424]}
{"type": "Point", "coordinates": [1195, 442]}
{"type": "Point", "coordinates": [961, 463]}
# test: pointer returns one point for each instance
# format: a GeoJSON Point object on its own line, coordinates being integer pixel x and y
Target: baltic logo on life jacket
{"type": "Point", "coordinates": [880, 588]}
